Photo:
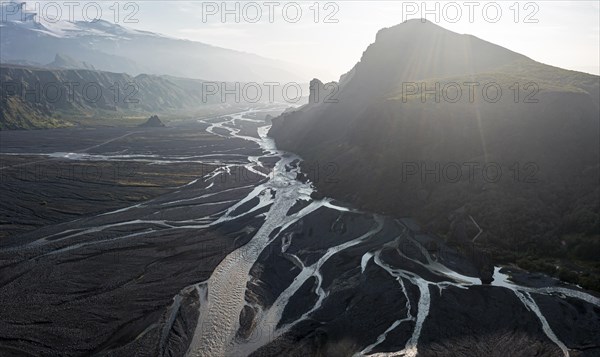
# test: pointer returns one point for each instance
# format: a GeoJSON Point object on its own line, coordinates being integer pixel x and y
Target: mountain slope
{"type": "Point", "coordinates": [416, 51]}
{"type": "Point", "coordinates": [111, 47]}
{"type": "Point", "coordinates": [45, 98]}
{"type": "Point", "coordinates": [34, 97]}
{"type": "Point", "coordinates": [405, 154]}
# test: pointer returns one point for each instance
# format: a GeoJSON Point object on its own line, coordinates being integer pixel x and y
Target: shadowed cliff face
{"type": "Point", "coordinates": [419, 50]}
{"type": "Point", "coordinates": [416, 52]}
{"type": "Point", "coordinates": [404, 143]}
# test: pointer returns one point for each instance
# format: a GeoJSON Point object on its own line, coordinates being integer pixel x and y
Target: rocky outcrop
{"type": "Point", "coordinates": [66, 62]}
{"type": "Point", "coordinates": [153, 122]}
{"type": "Point", "coordinates": [322, 92]}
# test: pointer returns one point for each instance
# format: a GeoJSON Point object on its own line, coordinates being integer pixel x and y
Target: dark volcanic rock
{"type": "Point", "coordinates": [153, 122]}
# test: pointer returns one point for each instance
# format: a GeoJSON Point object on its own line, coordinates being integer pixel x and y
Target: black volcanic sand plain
{"type": "Point", "coordinates": [38, 190]}
{"type": "Point", "coordinates": [360, 305]}
{"type": "Point", "coordinates": [76, 282]}
{"type": "Point", "coordinates": [85, 274]}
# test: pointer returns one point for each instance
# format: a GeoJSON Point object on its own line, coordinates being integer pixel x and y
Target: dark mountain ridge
{"type": "Point", "coordinates": [409, 155]}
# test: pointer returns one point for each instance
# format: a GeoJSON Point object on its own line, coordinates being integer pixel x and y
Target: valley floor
{"type": "Point", "coordinates": [202, 239]}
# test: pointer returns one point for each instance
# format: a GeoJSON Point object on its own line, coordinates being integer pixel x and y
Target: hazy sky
{"type": "Point", "coordinates": [564, 34]}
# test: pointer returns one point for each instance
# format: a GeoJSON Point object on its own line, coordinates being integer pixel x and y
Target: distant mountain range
{"type": "Point", "coordinates": [45, 98]}
{"type": "Point", "coordinates": [152, 73]}
{"type": "Point", "coordinates": [392, 146]}
{"type": "Point", "coordinates": [27, 40]}
{"type": "Point", "coordinates": [57, 95]}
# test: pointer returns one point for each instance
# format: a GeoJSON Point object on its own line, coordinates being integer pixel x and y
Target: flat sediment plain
{"type": "Point", "coordinates": [203, 239]}
{"type": "Point", "coordinates": [102, 229]}
{"type": "Point", "coordinates": [51, 176]}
